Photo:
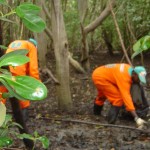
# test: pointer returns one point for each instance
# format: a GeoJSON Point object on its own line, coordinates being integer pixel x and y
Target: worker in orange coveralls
{"type": "Point", "coordinates": [113, 82]}
{"type": "Point", "coordinates": [30, 68]}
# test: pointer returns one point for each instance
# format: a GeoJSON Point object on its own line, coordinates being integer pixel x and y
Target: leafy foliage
{"type": "Point", "coordinates": [143, 44]}
{"type": "Point", "coordinates": [28, 13]}
{"type": "Point", "coordinates": [23, 87]}
{"type": "Point", "coordinates": [6, 131]}
{"type": "Point", "coordinates": [36, 137]}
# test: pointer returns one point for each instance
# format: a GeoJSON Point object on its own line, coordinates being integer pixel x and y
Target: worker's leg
{"type": "Point", "coordinates": [18, 115]}
{"type": "Point", "coordinates": [24, 105]}
{"type": "Point", "coordinates": [113, 95]}
{"type": "Point", "coordinates": [98, 103]}
{"type": "Point", "coordinates": [113, 114]}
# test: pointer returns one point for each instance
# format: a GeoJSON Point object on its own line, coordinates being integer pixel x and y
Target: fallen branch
{"type": "Point", "coordinates": [48, 71]}
{"type": "Point", "coordinates": [11, 148]}
{"type": "Point", "coordinates": [97, 124]}
{"type": "Point", "coordinates": [75, 64]}
{"type": "Point", "coordinates": [98, 21]}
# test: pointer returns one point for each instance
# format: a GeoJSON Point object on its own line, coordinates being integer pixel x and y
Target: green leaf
{"type": "Point", "coordinates": [15, 52]}
{"type": "Point", "coordinates": [45, 142]}
{"type": "Point", "coordinates": [34, 23]}
{"type": "Point", "coordinates": [29, 15]}
{"type": "Point", "coordinates": [3, 47]}
{"type": "Point", "coordinates": [14, 124]}
{"type": "Point", "coordinates": [11, 90]}
{"type": "Point", "coordinates": [137, 46]}
{"type": "Point", "coordinates": [5, 141]}
{"type": "Point", "coordinates": [25, 136]}
{"type": "Point", "coordinates": [27, 8]}
{"type": "Point", "coordinates": [145, 43]}
{"type": "Point", "coordinates": [36, 134]}
{"type": "Point", "coordinates": [14, 60]}
{"type": "Point", "coordinates": [27, 87]}
{"type": "Point", "coordinates": [142, 44]}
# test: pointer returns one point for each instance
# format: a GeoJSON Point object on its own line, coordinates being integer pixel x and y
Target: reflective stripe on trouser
{"type": "Point", "coordinates": [110, 91]}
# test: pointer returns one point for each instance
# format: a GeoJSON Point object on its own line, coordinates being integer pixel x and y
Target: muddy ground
{"type": "Point", "coordinates": [65, 133]}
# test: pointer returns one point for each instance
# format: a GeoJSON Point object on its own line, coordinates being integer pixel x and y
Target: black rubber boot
{"type": "Point", "coordinates": [18, 115]}
{"type": "Point", "coordinates": [97, 109]}
{"type": "Point", "coordinates": [25, 114]}
{"type": "Point", "coordinates": [113, 114]}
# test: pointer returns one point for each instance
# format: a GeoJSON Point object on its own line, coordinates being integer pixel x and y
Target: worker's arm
{"type": "Point", "coordinates": [124, 88]}
{"type": "Point", "coordinates": [134, 114]}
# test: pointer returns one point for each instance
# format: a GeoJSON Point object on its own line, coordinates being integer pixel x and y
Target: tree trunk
{"type": "Point", "coordinates": [108, 41]}
{"type": "Point", "coordinates": [82, 8]}
{"type": "Point", "coordinates": [85, 51]}
{"type": "Point", "coordinates": [42, 41]}
{"type": "Point", "coordinates": [98, 21]}
{"type": "Point", "coordinates": [61, 54]}
{"type": "Point", "coordinates": [89, 28]}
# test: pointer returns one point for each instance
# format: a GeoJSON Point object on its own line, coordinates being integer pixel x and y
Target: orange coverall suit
{"type": "Point", "coordinates": [113, 82]}
{"type": "Point", "coordinates": [30, 68]}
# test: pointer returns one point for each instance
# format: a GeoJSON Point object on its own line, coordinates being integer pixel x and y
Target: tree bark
{"type": "Point", "coordinates": [108, 41]}
{"type": "Point", "coordinates": [93, 25]}
{"type": "Point", "coordinates": [42, 40]}
{"type": "Point", "coordinates": [89, 28]}
{"type": "Point", "coordinates": [82, 7]}
{"type": "Point", "coordinates": [75, 64]}
{"type": "Point", "coordinates": [61, 54]}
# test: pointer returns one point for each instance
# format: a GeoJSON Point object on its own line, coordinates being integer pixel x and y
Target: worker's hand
{"type": "Point", "coordinates": [140, 123]}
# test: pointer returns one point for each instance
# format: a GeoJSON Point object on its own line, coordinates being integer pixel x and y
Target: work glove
{"type": "Point", "coordinates": [140, 123]}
